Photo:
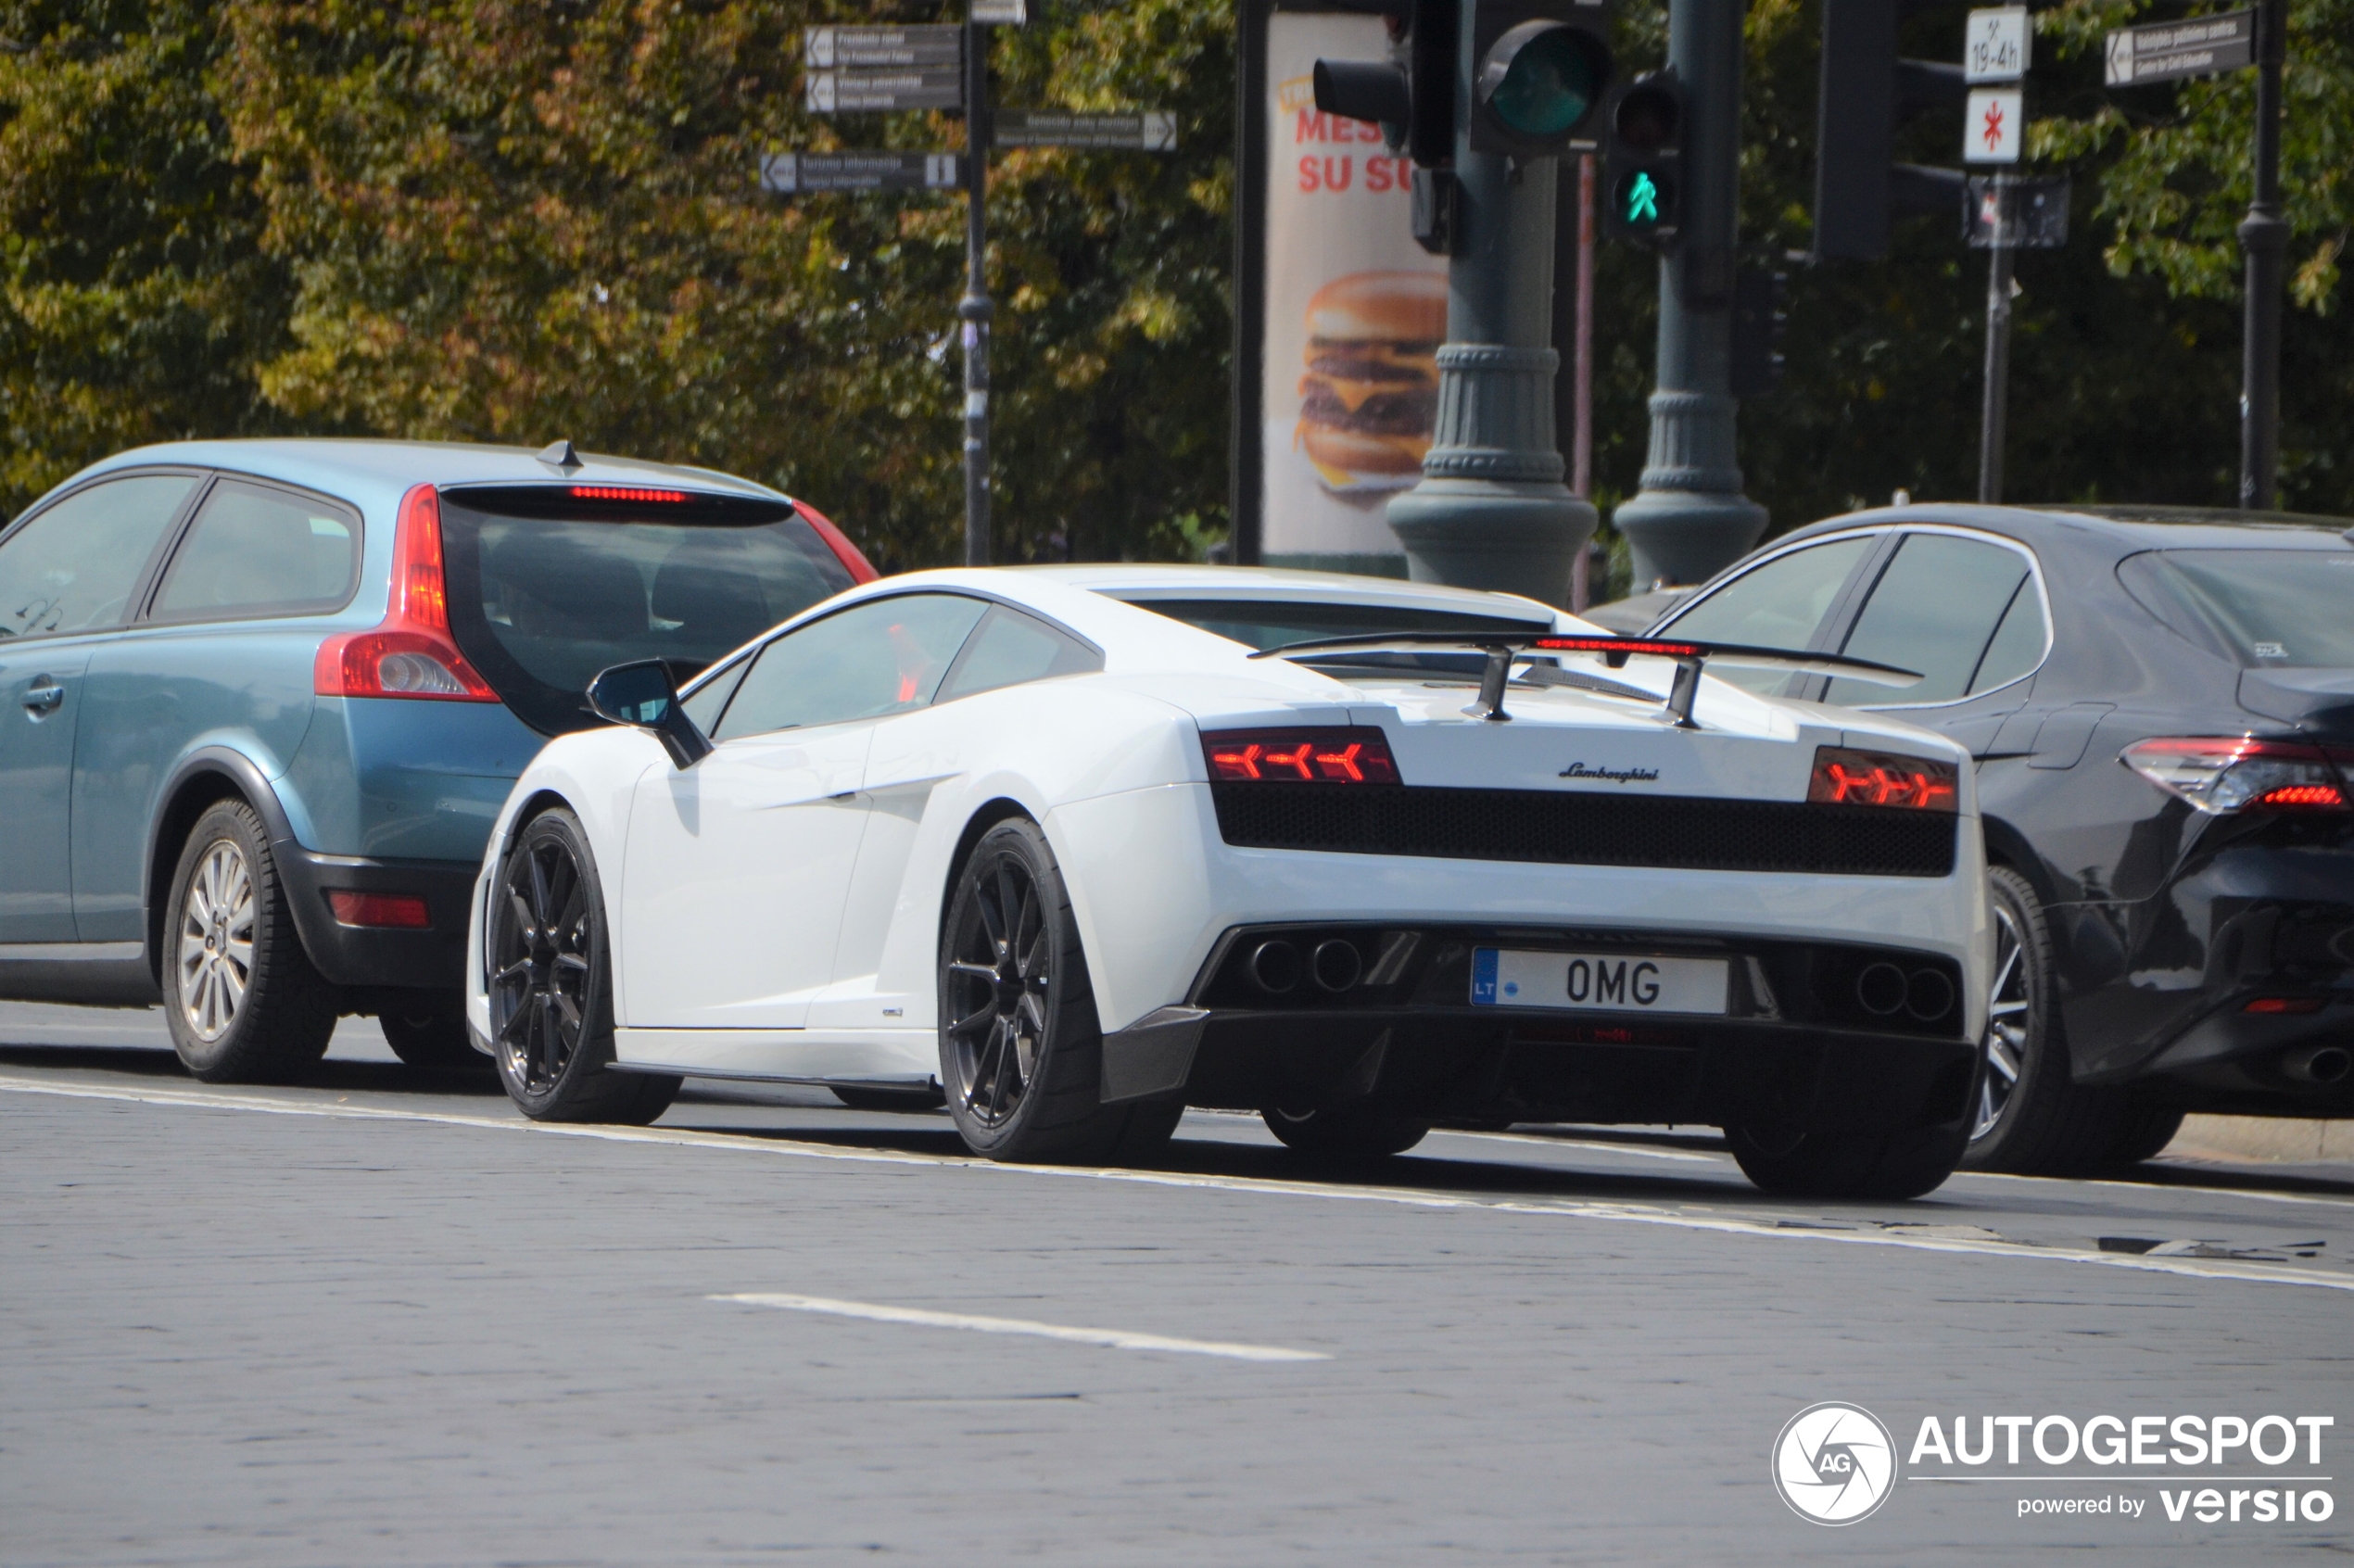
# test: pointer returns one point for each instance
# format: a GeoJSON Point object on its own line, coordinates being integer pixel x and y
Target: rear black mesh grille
{"type": "Point", "coordinates": [1567, 827]}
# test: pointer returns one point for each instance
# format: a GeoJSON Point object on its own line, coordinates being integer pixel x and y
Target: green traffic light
{"type": "Point", "coordinates": [1549, 77]}
{"type": "Point", "coordinates": [1642, 199]}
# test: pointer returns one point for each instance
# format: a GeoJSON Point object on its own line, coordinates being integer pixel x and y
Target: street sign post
{"type": "Point", "coordinates": [792, 173]}
{"type": "Point", "coordinates": [1059, 128]}
{"type": "Point", "coordinates": [2170, 51]}
{"type": "Point", "coordinates": [1996, 48]}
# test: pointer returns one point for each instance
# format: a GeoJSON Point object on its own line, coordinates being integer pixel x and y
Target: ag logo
{"type": "Point", "coordinates": [1834, 1463]}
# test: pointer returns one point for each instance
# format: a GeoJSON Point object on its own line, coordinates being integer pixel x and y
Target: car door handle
{"type": "Point", "coordinates": [45, 698]}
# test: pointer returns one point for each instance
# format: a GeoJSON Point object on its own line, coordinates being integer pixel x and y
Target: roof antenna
{"type": "Point", "coordinates": [560, 456]}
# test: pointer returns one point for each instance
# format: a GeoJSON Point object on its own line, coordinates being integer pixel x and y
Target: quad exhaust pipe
{"type": "Point", "coordinates": [1884, 990]}
{"type": "Point", "coordinates": [1276, 966]}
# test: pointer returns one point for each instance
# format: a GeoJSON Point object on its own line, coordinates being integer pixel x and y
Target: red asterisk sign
{"type": "Point", "coordinates": [1994, 126]}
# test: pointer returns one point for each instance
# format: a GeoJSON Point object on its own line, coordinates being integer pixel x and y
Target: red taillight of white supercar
{"type": "Point", "coordinates": [410, 654]}
{"type": "Point", "coordinates": [2221, 776]}
{"type": "Point", "coordinates": [1844, 777]}
{"type": "Point", "coordinates": [1299, 756]}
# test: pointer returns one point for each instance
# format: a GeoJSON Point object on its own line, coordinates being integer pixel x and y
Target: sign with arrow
{"type": "Point", "coordinates": [2171, 50]}
{"type": "Point", "coordinates": [854, 70]}
{"type": "Point", "coordinates": [792, 173]}
{"type": "Point", "coordinates": [1059, 128]}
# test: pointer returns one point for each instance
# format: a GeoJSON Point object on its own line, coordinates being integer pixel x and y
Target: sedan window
{"type": "Point", "coordinates": [1778, 604]}
{"type": "Point", "coordinates": [73, 567]}
{"type": "Point", "coordinates": [1935, 610]}
{"type": "Point", "coordinates": [884, 656]}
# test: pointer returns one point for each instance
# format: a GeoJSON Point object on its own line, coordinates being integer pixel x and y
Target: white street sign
{"type": "Point", "coordinates": [1993, 130]}
{"type": "Point", "coordinates": [1000, 12]}
{"type": "Point", "coordinates": [1995, 46]}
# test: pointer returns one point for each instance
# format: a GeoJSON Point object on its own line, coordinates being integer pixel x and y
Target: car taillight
{"type": "Point", "coordinates": [1845, 777]}
{"type": "Point", "coordinates": [2221, 776]}
{"type": "Point", "coordinates": [400, 911]}
{"type": "Point", "coordinates": [410, 654]}
{"type": "Point", "coordinates": [1300, 756]}
{"type": "Point", "coordinates": [627, 493]}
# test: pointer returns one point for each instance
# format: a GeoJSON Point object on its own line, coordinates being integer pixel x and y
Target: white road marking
{"type": "Point", "coordinates": [1117, 1339]}
{"type": "Point", "coordinates": [1621, 1213]}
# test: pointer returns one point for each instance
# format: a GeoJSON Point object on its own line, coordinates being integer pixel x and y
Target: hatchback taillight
{"type": "Point", "coordinates": [410, 654]}
{"type": "Point", "coordinates": [1300, 756]}
{"type": "Point", "coordinates": [1846, 777]}
{"type": "Point", "coordinates": [2221, 776]}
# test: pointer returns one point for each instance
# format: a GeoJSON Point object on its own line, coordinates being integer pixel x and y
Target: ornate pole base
{"type": "Point", "coordinates": [1690, 517]}
{"type": "Point", "coordinates": [1491, 510]}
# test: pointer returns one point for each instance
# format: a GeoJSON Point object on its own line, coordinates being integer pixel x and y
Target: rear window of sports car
{"type": "Point", "coordinates": [1264, 623]}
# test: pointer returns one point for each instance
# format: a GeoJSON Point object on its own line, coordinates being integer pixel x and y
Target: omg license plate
{"type": "Point", "coordinates": [1610, 982]}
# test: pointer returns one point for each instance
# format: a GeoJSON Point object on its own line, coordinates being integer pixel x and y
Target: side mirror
{"type": "Point", "coordinates": [643, 697]}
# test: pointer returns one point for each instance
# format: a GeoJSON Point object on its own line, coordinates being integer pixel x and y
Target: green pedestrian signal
{"type": "Point", "coordinates": [1642, 199]}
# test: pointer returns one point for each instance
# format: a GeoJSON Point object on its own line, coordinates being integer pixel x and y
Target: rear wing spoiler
{"type": "Point", "coordinates": [1505, 650]}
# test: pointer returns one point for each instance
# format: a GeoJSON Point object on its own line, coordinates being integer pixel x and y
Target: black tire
{"type": "Point", "coordinates": [908, 1100]}
{"type": "Point", "coordinates": [1874, 1163]}
{"type": "Point", "coordinates": [427, 1030]}
{"type": "Point", "coordinates": [2146, 1128]}
{"type": "Point", "coordinates": [1344, 1133]}
{"type": "Point", "coordinates": [2032, 1118]}
{"type": "Point", "coordinates": [1020, 1049]}
{"type": "Point", "coordinates": [552, 984]}
{"type": "Point", "coordinates": [241, 997]}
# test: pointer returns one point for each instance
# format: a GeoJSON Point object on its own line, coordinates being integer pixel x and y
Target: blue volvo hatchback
{"type": "Point", "coordinates": [263, 699]}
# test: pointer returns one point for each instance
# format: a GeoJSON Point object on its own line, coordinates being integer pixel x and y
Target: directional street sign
{"type": "Point", "coordinates": [2037, 218]}
{"type": "Point", "coordinates": [1057, 128]}
{"type": "Point", "coordinates": [999, 13]}
{"type": "Point", "coordinates": [1994, 48]}
{"type": "Point", "coordinates": [1991, 127]}
{"type": "Point", "coordinates": [2170, 51]}
{"type": "Point", "coordinates": [870, 48]}
{"type": "Point", "coordinates": [849, 91]}
{"type": "Point", "coordinates": [793, 173]}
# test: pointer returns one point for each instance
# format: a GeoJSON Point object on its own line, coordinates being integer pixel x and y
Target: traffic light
{"type": "Point", "coordinates": [1868, 93]}
{"type": "Point", "coordinates": [1760, 301]}
{"type": "Point", "coordinates": [1540, 72]}
{"type": "Point", "coordinates": [1643, 161]}
{"type": "Point", "coordinates": [1415, 103]}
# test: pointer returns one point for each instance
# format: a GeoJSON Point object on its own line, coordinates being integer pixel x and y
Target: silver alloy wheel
{"type": "Point", "coordinates": [216, 941]}
{"type": "Point", "coordinates": [2009, 1013]}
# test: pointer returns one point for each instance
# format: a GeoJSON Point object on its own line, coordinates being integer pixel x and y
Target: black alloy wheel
{"type": "Point", "coordinates": [998, 980]}
{"type": "Point", "coordinates": [550, 989]}
{"type": "Point", "coordinates": [1020, 1048]}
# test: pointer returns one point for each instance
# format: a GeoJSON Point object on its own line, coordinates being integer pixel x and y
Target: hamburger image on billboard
{"type": "Point", "coordinates": [1355, 313]}
{"type": "Point", "coordinates": [1371, 395]}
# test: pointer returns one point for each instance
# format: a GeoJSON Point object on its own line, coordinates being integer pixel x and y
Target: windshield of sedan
{"type": "Point", "coordinates": [539, 604]}
{"type": "Point", "coordinates": [2262, 607]}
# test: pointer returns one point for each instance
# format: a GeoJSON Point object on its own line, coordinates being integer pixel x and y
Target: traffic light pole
{"type": "Point", "coordinates": [1691, 517]}
{"type": "Point", "coordinates": [1491, 510]}
{"type": "Point", "coordinates": [974, 309]}
{"type": "Point", "coordinates": [2264, 242]}
{"type": "Point", "coordinates": [1994, 422]}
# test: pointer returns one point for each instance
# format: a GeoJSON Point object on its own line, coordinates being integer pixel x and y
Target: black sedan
{"type": "Point", "coordinates": [2161, 703]}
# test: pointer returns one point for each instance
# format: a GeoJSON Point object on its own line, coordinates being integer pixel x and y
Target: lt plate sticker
{"type": "Point", "coordinates": [1611, 982]}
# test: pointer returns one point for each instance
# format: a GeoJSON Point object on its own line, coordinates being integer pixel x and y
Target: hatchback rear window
{"type": "Point", "coordinates": [545, 590]}
{"type": "Point", "coordinates": [2262, 607]}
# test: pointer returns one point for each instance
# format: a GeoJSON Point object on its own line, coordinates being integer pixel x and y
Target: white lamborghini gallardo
{"type": "Point", "coordinates": [1079, 847]}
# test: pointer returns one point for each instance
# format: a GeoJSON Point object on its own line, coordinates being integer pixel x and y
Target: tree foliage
{"type": "Point", "coordinates": [518, 220]}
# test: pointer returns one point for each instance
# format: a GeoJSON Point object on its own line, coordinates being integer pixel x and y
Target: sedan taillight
{"type": "Point", "coordinates": [1846, 777]}
{"type": "Point", "coordinates": [2221, 776]}
{"type": "Point", "coordinates": [1302, 756]}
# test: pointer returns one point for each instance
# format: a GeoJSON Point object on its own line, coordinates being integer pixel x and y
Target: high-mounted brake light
{"type": "Point", "coordinates": [2220, 776]}
{"type": "Point", "coordinates": [1302, 756]}
{"type": "Point", "coordinates": [1621, 646]}
{"type": "Point", "coordinates": [626, 493]}
{"type": "Point", "coordinates": [1844, 777]}
{"type": "Point", "coordinates": [410, 654]}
